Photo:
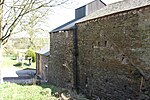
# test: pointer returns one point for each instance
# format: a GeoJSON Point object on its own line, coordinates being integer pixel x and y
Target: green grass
{"type": "Point", "coordinates": [72, 93]}
{"type": "Point", "coordinates": [11, 91]}
{"type": "Point", "coordinates": [8, 62]}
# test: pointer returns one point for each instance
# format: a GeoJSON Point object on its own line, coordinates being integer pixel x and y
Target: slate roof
{"type": "Point", "coordinates": [44, 51]}
{"type": "Point", "coordinates": [116, 7]}
{"type": "Point", "coordinates": [66, 26]}
{"type": "Point", "coordinates": [70, 25]}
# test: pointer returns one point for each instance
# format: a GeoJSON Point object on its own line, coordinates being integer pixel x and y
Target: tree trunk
{"type": "Point", "coordinates": [0, 52]}
{"type": "Point", "coordinates": [1, 10]}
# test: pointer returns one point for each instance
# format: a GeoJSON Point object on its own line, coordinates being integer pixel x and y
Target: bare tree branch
{"type": "Point", "coordinates": [24, 8]}
{"type": "Point", "coordinates": [10, 28]}
{"type": "Point", "coordinates": [2, 2]}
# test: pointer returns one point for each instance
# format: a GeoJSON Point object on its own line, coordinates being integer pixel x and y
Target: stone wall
{"type": "Point", "coordinates": [42, 66]}
{"type": "Point", "coordinates": [114, 55]}
{"type": "Point", "coordinates": [61, 59]}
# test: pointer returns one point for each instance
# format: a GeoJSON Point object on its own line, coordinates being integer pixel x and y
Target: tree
{"type": "Point", "coordinates": [31, 53]}
{"type": "Point", "coordinates": [12, 12]}
{"type": "Point", "coordinates": [1, 9]}
{"type": "Point", "coordinates": [18, 9]}
{"type": "Point", "coordinates": [32, 27]}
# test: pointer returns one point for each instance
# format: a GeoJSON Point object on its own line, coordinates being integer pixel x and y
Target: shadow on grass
{"type": "Point", "coordinates": [26, 64]}
{"type": "Point", "coordinates": [29, 69]}
{"type": "Point", "coordinates": [19, 64]}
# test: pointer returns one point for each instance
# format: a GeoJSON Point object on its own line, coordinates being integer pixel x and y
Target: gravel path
{"type": "Point", "coordinates": [16, 75]}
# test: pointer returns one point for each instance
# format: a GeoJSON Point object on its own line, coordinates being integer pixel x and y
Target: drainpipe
{"type": "Point", "coordinates": [75, 60]}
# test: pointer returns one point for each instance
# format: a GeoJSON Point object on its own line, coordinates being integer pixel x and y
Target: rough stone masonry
{"type": "Point", "coordinates": [114, 55]}
{"type": "Point", "coordinates": [61, 59]}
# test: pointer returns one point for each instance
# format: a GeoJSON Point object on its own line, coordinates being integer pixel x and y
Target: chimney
{"type": "Point", "coordinates": [88, 8]}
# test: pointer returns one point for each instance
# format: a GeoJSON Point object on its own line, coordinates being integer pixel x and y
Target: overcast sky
{"type": "Point", "coordinates": [65, 13]}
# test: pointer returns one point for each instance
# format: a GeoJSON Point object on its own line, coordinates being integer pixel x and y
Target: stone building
{"type": "Point", "coordinates": [114, 51]}
{"type": "Point", "coordinates": [62, 48]}
{"type": "Point", "coordinates": [42, 57]}
{"type": "Point", "coordinates": [107, 53]}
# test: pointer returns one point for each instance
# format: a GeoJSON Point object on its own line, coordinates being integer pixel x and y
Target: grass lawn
{"type": "Point", "coordinates": [11, 91]}
{"type": "Point", "coordinates": [8, 62]}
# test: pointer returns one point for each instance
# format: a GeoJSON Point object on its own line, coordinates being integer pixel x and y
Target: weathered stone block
{"type": "Point", "coordinates": [107, 48]}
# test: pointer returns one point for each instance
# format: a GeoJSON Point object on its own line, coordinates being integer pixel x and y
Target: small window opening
{"type": "Point", "coordinates": [99, 43]}
{"type": "Point", "coordinates": [69, 81]}
{"type": "Point", "coordinates": [105, 43]}
{"type": "Point", "coordinates": [103, 59]}
{"type": "Point", "coordinates": [125, 87]}
{"type": "Point", "coordinates": [106, 80]}
{"type": "Point", "coordinates": [86, 80]}
{"type": "Point", "coordinates": [131, 71]}
{"type": "Point", "coordinates": [123, 56]}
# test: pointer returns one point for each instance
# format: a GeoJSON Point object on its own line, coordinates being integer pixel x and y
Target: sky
{"type": "Point", "coordinates": [65, 13]}
{"type": "Point", "coordinates": [61, 15]}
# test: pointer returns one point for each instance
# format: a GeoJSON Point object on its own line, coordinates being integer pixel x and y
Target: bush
{"type": "Point", "coordinates": [31, 53]}
{"type": "Point", "coordinates": [14, 56]}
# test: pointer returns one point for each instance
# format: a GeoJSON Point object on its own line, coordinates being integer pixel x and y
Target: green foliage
{"type": "Point", "coordinates": [31, 53]}
{"type": "Point", "coordinates": [13, 55]}
{"type": "Point", "coordinates": [11, 91]}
